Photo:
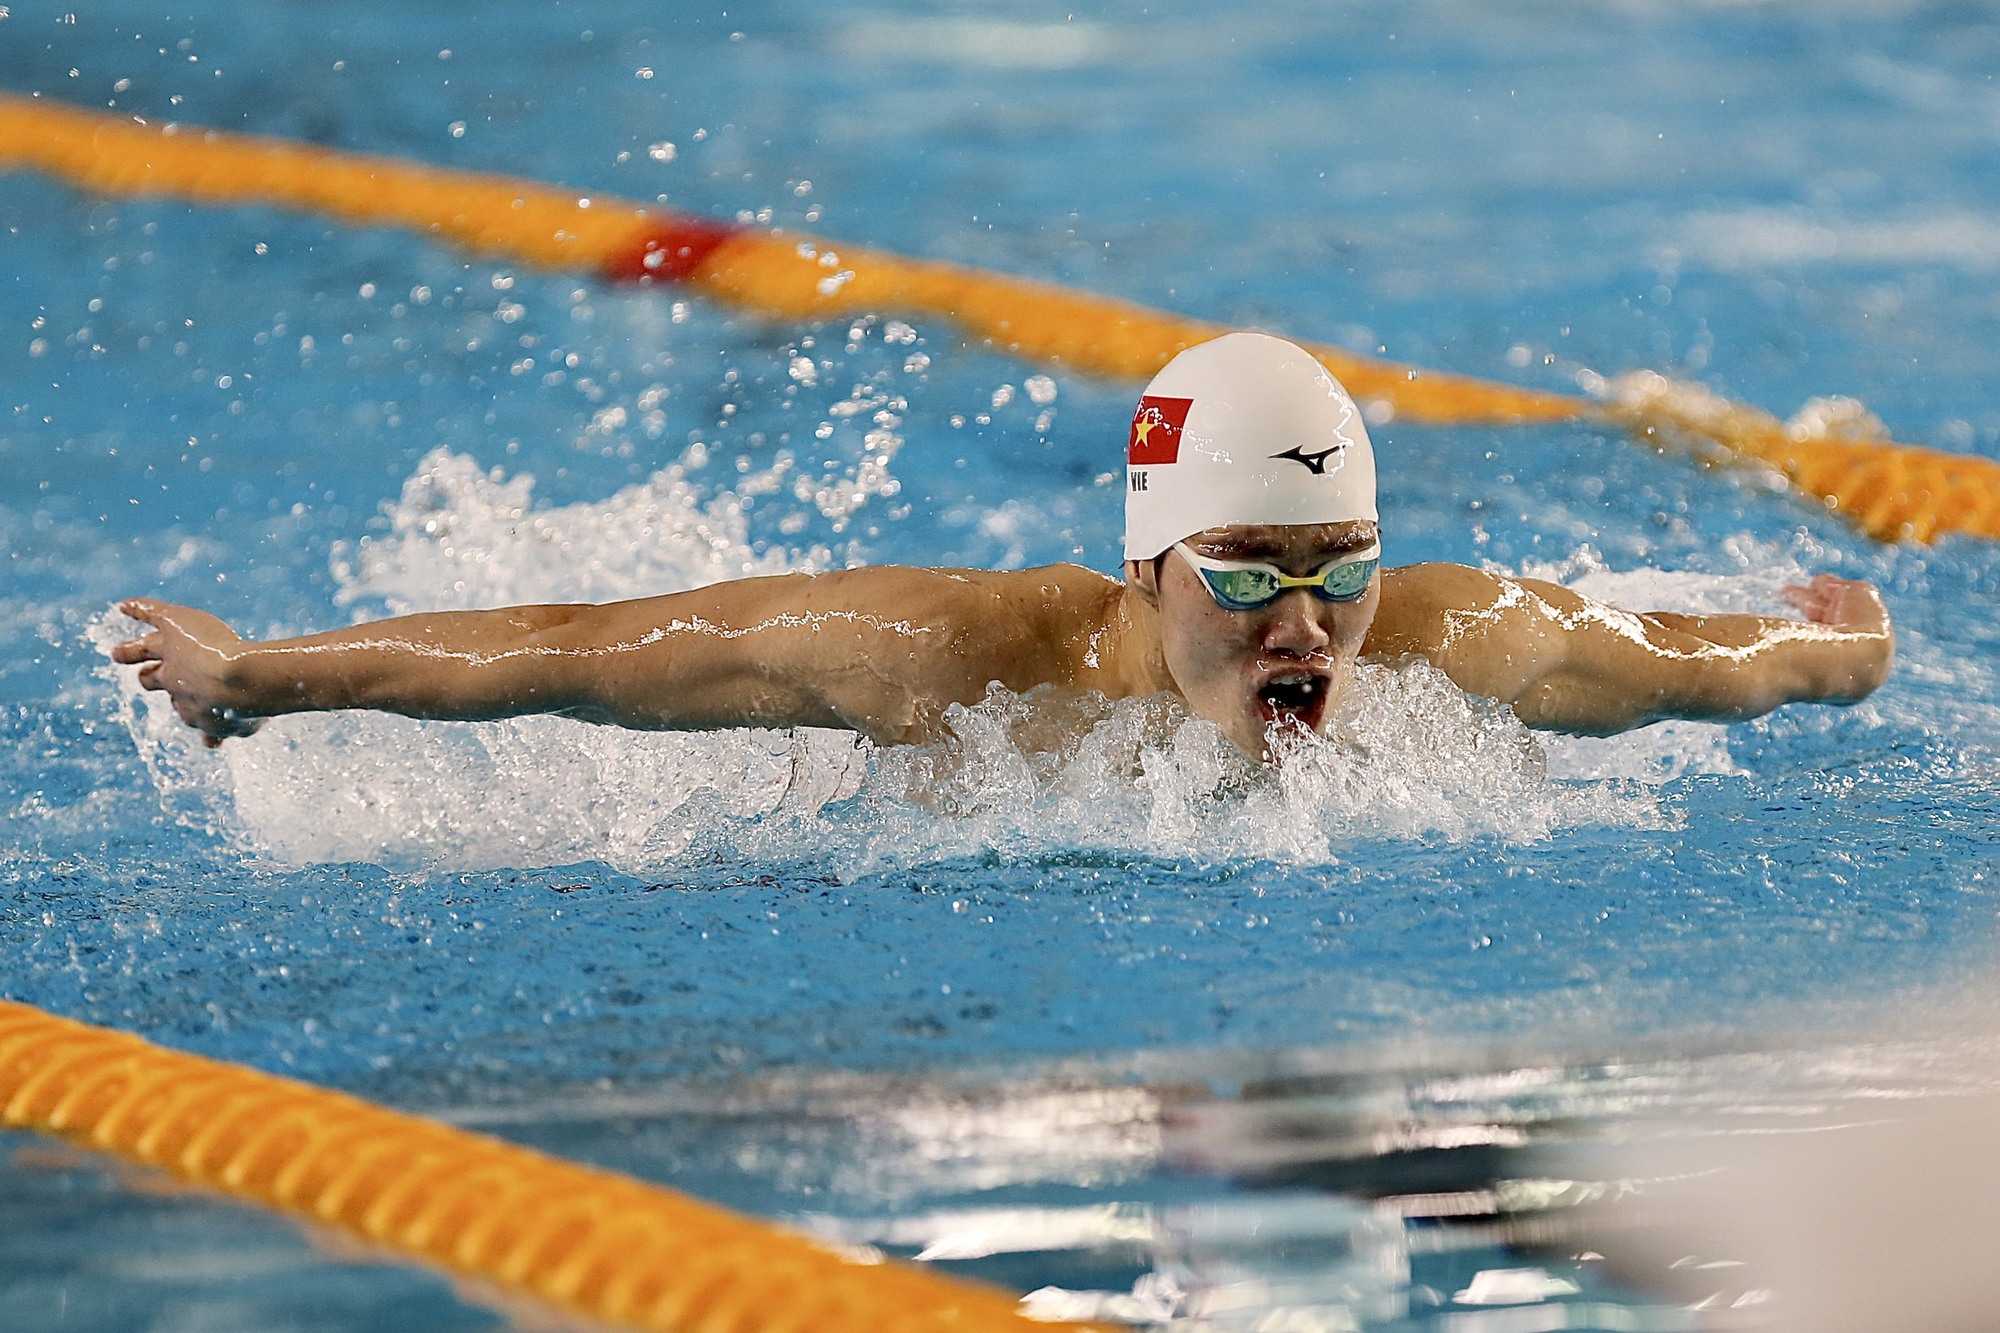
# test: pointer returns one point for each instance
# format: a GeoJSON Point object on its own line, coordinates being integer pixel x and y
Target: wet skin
{"type": "Point", "coordinates": [886, 650]}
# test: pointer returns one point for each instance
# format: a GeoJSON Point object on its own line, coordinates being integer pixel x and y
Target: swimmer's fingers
{"type": "Point", "coordinates": [1829, 599]}
{"type": "Point", "coordinates": [158, 616]}
{"type": "Point", "coordinates": [179, 655]}
{"type": "Point", "coordinates": [1808, 599]}
{"type": "Point", "coordinates": [134, 652]}
{"type": "Point", "coordinates": [1821, 598]}
{"type": "Point", "coordinates": [149, 647]}
{"type": "Point", "coordinates": [143, 648]}
{"type": "Point", "coordinates": [180, 622]}
{"type": "Point", "coordinates": [176, 635]}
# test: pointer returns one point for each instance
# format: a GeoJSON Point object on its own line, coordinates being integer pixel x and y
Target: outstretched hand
{"type": "Point", "coordinates": [187, 653]}
{"type": "Point", "coordinates": [1842, 603]}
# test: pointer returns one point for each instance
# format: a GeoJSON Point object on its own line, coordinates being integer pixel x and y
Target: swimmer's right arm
{"type": "Point", "coordinates": [455, 665]}
{"type": "Point", "coordinates": [778, 652]}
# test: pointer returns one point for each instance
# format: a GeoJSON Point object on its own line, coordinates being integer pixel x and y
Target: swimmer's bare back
{"type": "Point", "coordinates": [885, 650]}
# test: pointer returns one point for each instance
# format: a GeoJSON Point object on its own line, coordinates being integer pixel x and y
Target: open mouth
{"type": "Point", "coordinates": [1296, 698]}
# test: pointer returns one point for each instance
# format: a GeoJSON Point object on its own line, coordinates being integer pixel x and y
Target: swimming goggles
{"type": "Point", "coordinates": [1246, 585]}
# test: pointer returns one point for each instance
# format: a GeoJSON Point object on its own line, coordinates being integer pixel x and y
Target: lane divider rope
{"type": "Point", "coordinates": [1890, 491]}
{"type": "Point", "coordinates": [609, 1247]}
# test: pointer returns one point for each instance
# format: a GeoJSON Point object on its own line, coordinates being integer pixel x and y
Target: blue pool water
{"type": "Point", "coordinates": [904, 996]}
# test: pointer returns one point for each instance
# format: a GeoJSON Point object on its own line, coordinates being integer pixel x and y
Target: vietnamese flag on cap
{"type": "Point", "coordinates": [1156, 430]}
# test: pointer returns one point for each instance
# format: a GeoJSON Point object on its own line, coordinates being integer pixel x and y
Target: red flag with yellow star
{"type": "Point", "coordinates": [1156, 430]}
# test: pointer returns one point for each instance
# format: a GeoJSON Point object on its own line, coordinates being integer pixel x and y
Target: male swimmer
{"type": "Point", "coordinates": [1252, 585]}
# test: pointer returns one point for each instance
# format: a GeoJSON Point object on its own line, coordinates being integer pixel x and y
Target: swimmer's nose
{"type": "Point", "coordinates": [1295, 626]}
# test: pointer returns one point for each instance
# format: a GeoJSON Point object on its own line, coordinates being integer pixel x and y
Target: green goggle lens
{"type": "Point", "coordinates": [1344, 583]}
{"type": "Point", "coordinates": [1241, 587]}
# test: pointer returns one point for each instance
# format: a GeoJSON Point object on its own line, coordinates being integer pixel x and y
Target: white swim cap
{"type": "Point", "coordinates": [1246, 428]}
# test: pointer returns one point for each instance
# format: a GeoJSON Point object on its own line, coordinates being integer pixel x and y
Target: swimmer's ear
{"type": "Point", "coordinates": [1144, 577]}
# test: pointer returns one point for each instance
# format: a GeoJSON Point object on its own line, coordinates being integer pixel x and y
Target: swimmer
{"type": "Point", "coordinates": [1253, 583]}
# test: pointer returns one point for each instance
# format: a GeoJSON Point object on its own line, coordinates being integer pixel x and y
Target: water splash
{"type": "Point", "coordinates": [462, 537]}
{"type": "Point", "coordinates": [1017, 776]}
{"type": "Point", "coordinates": [1410, 756]}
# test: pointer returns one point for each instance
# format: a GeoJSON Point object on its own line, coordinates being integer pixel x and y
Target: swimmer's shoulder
{"type": "Point", "coordinates": [1425, 607]}
{"type": "Point", "coordinates": [1052, 585]}
{"type": "Point", "coordinates": [1026, 627]}
{"type": "Point", "coordinates": [1046, 603]}
{"type": "Point", "coordinates": [1011, 625]}
{"type": "Point", "coordinates": [1053, 590]}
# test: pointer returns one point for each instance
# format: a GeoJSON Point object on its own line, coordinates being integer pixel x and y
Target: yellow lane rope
{"type": "Point", "coordinates": [1890, 491]}
{"type": "Point", "coordinates": [605, 1246]}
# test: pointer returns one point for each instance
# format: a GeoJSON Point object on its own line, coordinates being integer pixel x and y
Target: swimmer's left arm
{"type": "Point", "coordinates": [1566, 663]}
{"type": "Point", "coordinates": [1620, 669]}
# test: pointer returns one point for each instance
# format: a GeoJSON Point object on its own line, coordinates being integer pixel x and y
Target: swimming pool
{"type": "Point", "coordinates": [753, 965]}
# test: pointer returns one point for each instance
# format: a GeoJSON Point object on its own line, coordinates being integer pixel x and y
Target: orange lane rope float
{"type": "Point", "coordinates": [1890, 491]}
{"type": "Point", "coordinates": [611, 1248]}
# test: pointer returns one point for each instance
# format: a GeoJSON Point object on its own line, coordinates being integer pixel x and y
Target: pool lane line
{"type": "Point", "coordinates": [1890, 491]}
{"type": "Point", "coordinates": [609, 1247]}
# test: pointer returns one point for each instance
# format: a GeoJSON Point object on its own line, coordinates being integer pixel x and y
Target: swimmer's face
{"type": "Point", "coordinates": [1283, 665]}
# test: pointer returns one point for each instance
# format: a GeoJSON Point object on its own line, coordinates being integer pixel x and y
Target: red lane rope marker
{"type": "Point", "coordinates": [1890, 491]}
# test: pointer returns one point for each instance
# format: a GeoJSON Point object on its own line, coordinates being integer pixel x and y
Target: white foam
{"type": "Point", "coordinates": [1408, 755]}
{"type": "Point", "coordinates": [1411, 757]}
{"type": "Point", "coordinates": [462, 537]}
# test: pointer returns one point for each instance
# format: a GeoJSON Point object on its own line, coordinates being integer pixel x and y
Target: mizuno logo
{"type": "Point", "coordinates": [1314, 462]}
